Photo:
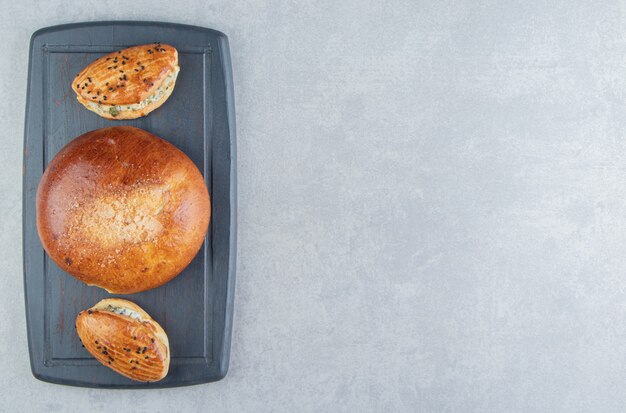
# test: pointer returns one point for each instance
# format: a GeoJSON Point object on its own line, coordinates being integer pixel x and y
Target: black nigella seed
{"type": "Point", "coordinates": [105, 98]}
{"type": "Point", "coordinates": [98, 93]}
{"type": "Point", "coordinates": [108, 58]}
{"type": "Point", "coordinates": [82, 345]}
{"type": "Point", "coordinates": [146, 357]}
{"type": "Point", "coordinates": [134, 337]}
{"type": "Point", "coordinates": [86, 84]}
{"type": "Point", "coordinates": [119, 51]}
{"type": "Point", "coordinates": [151, 83]}
{"type": "Point", "coordinates": [136, 70]}
{"type": "Point", "coordinates": [152, 340]}
{"type": "Point", "coordinates": [98, 348]}
{"type": "Point", "coordinates": [96, 341]}
{"type": "Point", "coordinates": [142, 67]}
{"type": "Point", "coordinates": [121, 71]}
{"type": "Point", "coordinates": [106, 84]}
{"type": "Point", "coordinates": [110, 67]}
{"type": "Point", "coordinates": [100, 102]}
{"type": "Point", "coordinates": [136, 362]}
{"type": "Point", "coordinates": [89, 311]}
{"type": "Point", "coordinates": [133, 368]}
{"type": "Point", "coordinates": [89, 79]}
{"type": "Point", "coordinates": [115, 67]}
{"type": "Point", "coordinates": [124, 57]}
{"type": "Point", "coordinates": [123, 62]}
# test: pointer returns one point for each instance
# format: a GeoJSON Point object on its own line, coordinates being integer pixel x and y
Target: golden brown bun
{"type": "Point", "coordinates": [137, 349]}
{"type": "Point", "coordinates": [127, 77]}
{"type": "Point", "coordinates": [122, 209]}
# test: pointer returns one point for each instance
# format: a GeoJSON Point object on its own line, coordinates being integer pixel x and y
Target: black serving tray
{"type": "Point", "coordinates": [195, 308]}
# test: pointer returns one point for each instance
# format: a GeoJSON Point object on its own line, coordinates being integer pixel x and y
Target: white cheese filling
{"type": "Point", "coordinates": [155, 97]}
{"type": "Point", "coordinates": [124, 311]}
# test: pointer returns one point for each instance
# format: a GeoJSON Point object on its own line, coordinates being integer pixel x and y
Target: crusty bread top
{"type": "Point", "coordinates": [136, 349]}
{"type": "Point", "coordinates": [126, 76]}
{"type": "Point", "coordinates": [122, 209]}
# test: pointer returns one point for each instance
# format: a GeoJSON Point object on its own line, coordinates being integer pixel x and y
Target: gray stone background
{"type": "Point", "coordinates": [432, 207]}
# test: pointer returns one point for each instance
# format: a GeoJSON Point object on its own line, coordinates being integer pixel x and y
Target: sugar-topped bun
{"type": "Point", "coordinates": [122, 209]}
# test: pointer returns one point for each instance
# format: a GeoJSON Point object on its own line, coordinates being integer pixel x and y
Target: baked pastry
{"type": "Point", "coordinates": [122, 209]}
{"type": "Point", "coordinates": [129, 83]}
{"type": "Point", "coordinates": [123, 337]}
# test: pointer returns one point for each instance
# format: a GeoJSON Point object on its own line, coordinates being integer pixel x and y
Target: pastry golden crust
{"type": "Point", "coordinates": [128, 83]}
{"type": "Point", "coordinates": [122, 209]}
{"type": "Point", "coordinates": [123, 337]}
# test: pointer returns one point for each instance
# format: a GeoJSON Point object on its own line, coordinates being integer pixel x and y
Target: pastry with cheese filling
{"type": "Point", "coordinates": [128, 83]}
{"type": "Point", "coordinates": [123, 337]}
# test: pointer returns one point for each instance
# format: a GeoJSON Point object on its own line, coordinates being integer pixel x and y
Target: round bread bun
{"type": "Point", "coordinates": [122, 209]}
{"type": "Point", "coordinates": [123, 337]}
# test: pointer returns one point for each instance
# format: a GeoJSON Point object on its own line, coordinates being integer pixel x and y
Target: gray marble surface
{"type": "Point", "coordinates": [432, 207]}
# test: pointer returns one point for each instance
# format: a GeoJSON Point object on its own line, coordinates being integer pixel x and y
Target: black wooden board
{"type": "Point", "coordinates": [195, 309]}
